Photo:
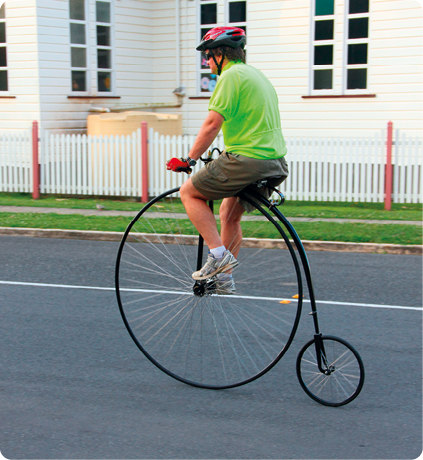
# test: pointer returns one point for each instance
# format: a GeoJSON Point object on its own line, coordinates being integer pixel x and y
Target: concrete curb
{"type": "Point", "coordinates": [334, 246]}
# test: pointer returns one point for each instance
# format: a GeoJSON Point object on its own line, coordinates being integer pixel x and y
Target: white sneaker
{"type": "Point", "coordinates": [214, 266]}
{"type": "Point", "coordinates": [225, 287]}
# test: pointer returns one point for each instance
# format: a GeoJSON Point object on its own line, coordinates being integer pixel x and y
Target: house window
{"type": "Point", "coordinates": [78, 40]}
{"type": "Point", "coordinates": [235, 14]}
{"type": "Point", "coordinates": [357, 45]}
{"type": "Point", "coordinates": [323, 46]}
{"type": "Point", "coordinates": [104, 46]}
{"type": "Point", "coordinates": [208, 11]}
{"type": "Point", "coordinates": [323, 33]}
{"type": "Point", "coordinates": [3, 51]}
{"type": "Point", "coordinates": [80, 32]}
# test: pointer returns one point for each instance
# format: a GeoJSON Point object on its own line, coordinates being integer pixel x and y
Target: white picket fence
{"type": "Point", "coordinates": [163, 148]}
{"type": "Point", "coordinates": [324, 169]}
{"type": "Point", "coordinates": [16, 161]}
{"type": "Point", "coordinates": [346, 170]}
{"type": "Point", "coordinates": [90, 165]}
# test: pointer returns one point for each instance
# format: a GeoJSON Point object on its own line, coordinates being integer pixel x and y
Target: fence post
{"type": "Point", "coordinates": [388, 168]}
{"type": "Point", "coordinates": [35, 164]}
{"type": "Point", "coordinates": [144, 161]}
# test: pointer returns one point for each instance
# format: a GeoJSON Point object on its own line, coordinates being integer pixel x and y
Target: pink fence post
{"type": "Point", "coordinates": [144, 161]}
{"type": "Point", "coordinates": [35, 164]}
{"type": "Point", "coordinates": [388, 168]}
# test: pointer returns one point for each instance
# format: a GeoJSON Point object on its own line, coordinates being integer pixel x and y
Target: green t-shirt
{"type": "Point", "coordinates": [249, 103]}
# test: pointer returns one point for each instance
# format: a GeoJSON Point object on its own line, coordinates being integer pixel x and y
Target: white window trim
{"type": "Point", "coordinates": [219, 4]}
{"type": "Point", "coordinates": [4, 45]}
{"type": "Point", "coordinates": [88, 55]}
{"type": "Point", "coordinates": [198, 68]}
{"type": "Point", "coordinates": [236, 24]}
{"type": "Point", "coordinates": [312, 67]}
{"type": "Point", "coordinates": [347, 41]}
{"type": "Point", "coordinates": [111, 48]}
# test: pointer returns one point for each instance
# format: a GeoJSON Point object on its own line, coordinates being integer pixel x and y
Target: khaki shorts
{"type": "Point", "coordinates": [230, 173]}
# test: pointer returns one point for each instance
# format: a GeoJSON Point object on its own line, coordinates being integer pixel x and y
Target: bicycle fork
{"type": "Point", "coordinates": [201, 243]}
{"type": "Point", "coordinates": [200, 287]}
{"type": "Point", "coordinates": [322, 361]}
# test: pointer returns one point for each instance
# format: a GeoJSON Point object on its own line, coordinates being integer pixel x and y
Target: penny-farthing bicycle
{"type": "Point", "coordinates": [224, 341]}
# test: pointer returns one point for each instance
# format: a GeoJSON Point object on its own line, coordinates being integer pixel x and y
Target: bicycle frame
{"type": "Point", "coordinates": [320, 350]}
{"type": "Point", "coordinates": [294, 235]}
{"type": "Point", "coordinates": [248, 194]}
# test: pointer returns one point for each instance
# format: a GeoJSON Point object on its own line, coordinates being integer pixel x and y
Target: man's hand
{"type": "Point", "coordinates": [178, 165]}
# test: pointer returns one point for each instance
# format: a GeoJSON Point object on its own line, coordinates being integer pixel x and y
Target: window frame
{"type": "Point", "coordinates": [312, 66]}
{"type": "Point", "coordinates": [4, 45]}
{"type": "Point", "coordinates": [111, 48]}
{"type": "Point", "coordinates": [340, 71]}
{"type": "Point", "coordinates": [198, 69]}
{"type": "Point", "coordinates": [237, 24]}
{"type": "Point", "coordinates": [87, 51]}
{"type": "Point", "coordinates": [351, 41]}
{"type": "Point", "coordinates": [222, 6]}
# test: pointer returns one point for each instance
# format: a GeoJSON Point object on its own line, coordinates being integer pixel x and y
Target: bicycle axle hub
{"type": "Point", "coordinates": [202, 288]}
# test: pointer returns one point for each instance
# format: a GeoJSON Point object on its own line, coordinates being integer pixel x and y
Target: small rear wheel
{"type": "Point", "coordinates": [340, 377]}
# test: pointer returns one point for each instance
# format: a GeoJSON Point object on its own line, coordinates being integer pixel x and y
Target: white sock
{"type": "Point", "coordinates": [218, 252]}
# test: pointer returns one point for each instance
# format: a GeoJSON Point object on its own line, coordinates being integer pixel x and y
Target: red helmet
{"type": "Point", "coordinates": [222, 36]}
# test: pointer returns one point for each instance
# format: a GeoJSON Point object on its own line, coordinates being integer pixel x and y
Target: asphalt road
{"type": "Point", "coordinates": [73, 384]}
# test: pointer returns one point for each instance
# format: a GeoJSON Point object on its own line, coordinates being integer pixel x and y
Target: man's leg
{"type": "Point", "coordinates": [230, 218]}
{"type": "Point", "coordinates": [204, 221]}
{"type": "Point", "coordinates": [200, 214]}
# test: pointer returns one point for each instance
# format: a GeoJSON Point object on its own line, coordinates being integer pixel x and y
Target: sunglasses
{"type": "Point", "coordinates": [209, 56]}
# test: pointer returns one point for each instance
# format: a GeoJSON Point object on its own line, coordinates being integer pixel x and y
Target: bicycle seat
{"type": "Point", "coordinates": [271, 181]}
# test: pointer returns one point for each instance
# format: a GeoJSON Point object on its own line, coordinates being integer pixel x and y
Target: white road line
{"type": "Point", "coordinates": [156, 291]}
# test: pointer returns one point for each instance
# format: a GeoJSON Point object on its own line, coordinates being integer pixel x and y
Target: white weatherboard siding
{"type": "Point", "coordinates": [278, 45]}
{"type": "Point", "coordinates": [134, 51]}
{"type": "Point", "coordinates": [164, 51]}
{"type": "Point", "coordinates": [397, 62]}
{"type": "Point", "coordinates": [22, 59]}
{"type": "Point", "coordinates": [193, 111]}
{"type": "Point", "coordinates": [57, 112]}
{"type": "Point", "coordinates": [133, 80]}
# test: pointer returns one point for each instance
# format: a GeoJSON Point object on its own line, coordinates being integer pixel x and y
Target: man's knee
{"type": "Point", "coordinates": [183, 191]}
{"type": "Point", "coordinates": [188, 191]}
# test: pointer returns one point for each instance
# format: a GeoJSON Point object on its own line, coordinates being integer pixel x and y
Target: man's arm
{"type": "Point", "coordinates": [207, 134]}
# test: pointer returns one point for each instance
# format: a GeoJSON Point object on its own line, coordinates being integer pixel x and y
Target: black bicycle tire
{"type": "Point", "coordinates": [151, 358]}
{"type": "Point", "coordinates": [310, 393]}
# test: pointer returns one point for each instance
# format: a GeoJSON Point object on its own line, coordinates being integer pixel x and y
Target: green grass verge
{"type": "Point", "coordinates": [315, 209]}
{"type": "Point", "coordinates": [317, 231]}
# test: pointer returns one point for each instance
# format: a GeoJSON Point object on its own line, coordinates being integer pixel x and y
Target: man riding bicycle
{"type": "Point", "coordinates": [244, 105]}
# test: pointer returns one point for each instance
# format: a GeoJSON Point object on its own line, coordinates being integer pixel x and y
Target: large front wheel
{"type": "Point", "coordinates": [185, 328]}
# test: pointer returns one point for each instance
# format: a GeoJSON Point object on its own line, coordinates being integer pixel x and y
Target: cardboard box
{"type": "Point", "coordinates": [128, 122]}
